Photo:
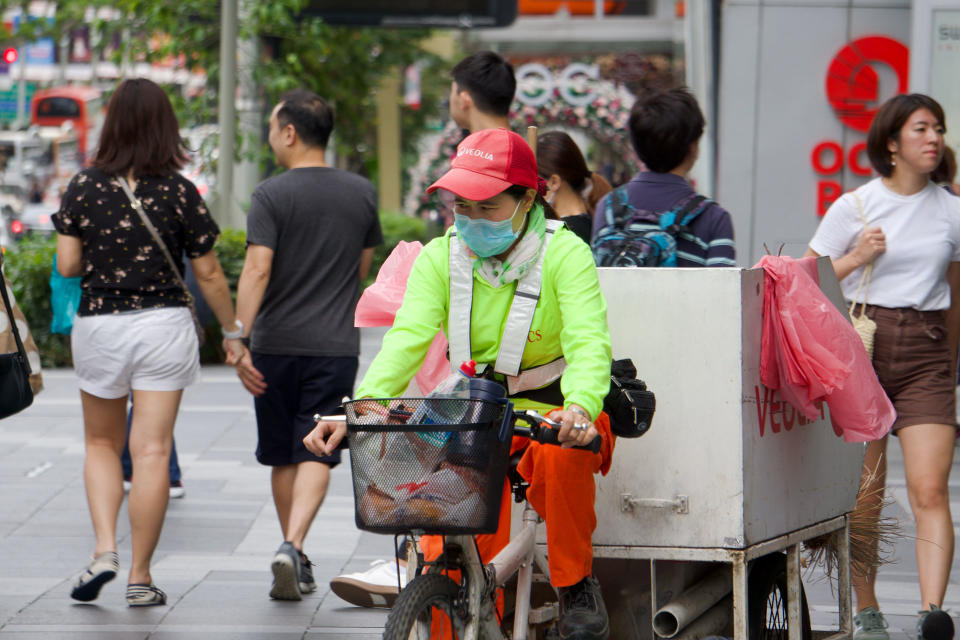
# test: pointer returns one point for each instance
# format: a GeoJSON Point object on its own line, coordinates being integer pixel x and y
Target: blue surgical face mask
{"type": "Point", "coordinates": [487, 238]}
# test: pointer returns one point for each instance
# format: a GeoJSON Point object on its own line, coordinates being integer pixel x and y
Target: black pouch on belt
{"type": "Point", "coordinates": [629, 403]}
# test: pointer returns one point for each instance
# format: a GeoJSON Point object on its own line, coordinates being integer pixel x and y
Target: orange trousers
{"type": "Point", "coordinates": [562, 491]}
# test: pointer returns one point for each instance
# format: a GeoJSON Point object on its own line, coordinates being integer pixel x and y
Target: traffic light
{"type": "Point", "coordinates": [10, 55]}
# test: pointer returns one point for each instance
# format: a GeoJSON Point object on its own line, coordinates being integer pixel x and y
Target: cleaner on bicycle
{"type": "Point", "coordinates": [516, 291]}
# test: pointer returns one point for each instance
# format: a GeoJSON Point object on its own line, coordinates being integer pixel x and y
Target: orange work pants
{"type": "Point", "coordinates": [562, 491]}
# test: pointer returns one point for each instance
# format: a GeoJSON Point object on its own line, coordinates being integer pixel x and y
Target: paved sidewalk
{"type": "Point", "coordinates": [897, 587]}
{"type": "Point", "coordinates": [214, 555]}
{"type": "Point", "coordinates": [215, 551]}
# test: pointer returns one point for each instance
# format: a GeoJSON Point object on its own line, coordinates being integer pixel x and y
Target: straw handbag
{"type": "Point", "coordinates": [865, 326]}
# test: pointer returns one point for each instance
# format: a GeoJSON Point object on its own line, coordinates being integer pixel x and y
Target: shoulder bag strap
{"type": "Point", "coordinates": [138, 207]}
{"type": "Point", "coordinates": [865, 278]}
{"type": "Point", "coordinates": [13, 321]}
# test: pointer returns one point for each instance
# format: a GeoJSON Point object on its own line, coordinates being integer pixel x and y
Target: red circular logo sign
{"type": "Point", "coordinates": [853, 85]}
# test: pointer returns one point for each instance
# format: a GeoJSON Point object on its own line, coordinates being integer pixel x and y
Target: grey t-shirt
{"type": "Point", "coordinates": [317, 220]}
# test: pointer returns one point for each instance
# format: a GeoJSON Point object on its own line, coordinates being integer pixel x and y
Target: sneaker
{"type": "Point", "coordinates": [582, 613]}
{"type": "Point", "coordinates": [100, 571]}
{"type": "Point", "coordinates": [177, 490]}
{"type": "Point", "coordinates": [286, 573]}
{"type": "Point", "coordinates": [307, 583]}
{"type": "Point", "coordinates": [145, 595]}
{"type": "Point", "coordinates": [870, 624]}
{"type": "Point", "coordinates": [378, 586]}
{"type": "Point", "coordinates": [935, 624]}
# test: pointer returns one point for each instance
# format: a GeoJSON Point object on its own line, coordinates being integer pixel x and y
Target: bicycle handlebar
{"type": "Point", "coordinates": [540, 429]}
{"type": "Point", "coordinates": [548, 435]}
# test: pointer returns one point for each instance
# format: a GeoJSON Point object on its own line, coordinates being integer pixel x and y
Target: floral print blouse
{"type": "Point", "coordinates": [123, 268]}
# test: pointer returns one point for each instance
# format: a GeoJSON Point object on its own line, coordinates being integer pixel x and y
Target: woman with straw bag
{"type": "Point", "coordinates": [895, 246]}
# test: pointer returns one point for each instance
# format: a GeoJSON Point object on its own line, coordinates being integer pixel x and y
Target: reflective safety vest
{"type": "Point", "coordinates": [514, 338]}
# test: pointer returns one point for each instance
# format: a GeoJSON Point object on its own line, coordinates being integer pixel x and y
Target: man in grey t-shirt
{"type": "Point", "coordinates": [311, 232]}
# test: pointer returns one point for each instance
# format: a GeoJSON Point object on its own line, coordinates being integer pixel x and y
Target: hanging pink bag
{"type": "Point", "coordinates": [810, 352]}
{"type": "Point", "coordinates": [380, 301]}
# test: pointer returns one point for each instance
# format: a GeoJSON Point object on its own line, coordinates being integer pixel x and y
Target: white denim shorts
{"type": "Point", "coordinates": [151, 350]}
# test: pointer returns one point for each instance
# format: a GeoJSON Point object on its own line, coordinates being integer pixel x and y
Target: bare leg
{"type": "Point", "coordinates": [869, 502]}
{"type": "Point", "coordinates": [105, 432]}
{"type": "Point", "coordinates": [298, 492]}
{"type": "Point", "coordinates": [281, 481]}
{"type": "Point", "coordinates": [151, 436]}
{"type": "Point", "coordinates": [928, 455]}
{"type": "Point", "coordinates": [309, 490]}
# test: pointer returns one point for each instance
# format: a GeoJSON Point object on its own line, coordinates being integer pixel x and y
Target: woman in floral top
{"type": "Point", "coordinates": [134, 332]}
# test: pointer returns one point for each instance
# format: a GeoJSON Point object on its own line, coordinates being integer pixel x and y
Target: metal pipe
{"type": "Point", "coordinates": [692, 603]}
{"type": "Point", "coordinates": [525, 578]}
{"type": "Point", "coordinates": [714, 621]}
{"type": "Point", "coordinates": [226, 112]}
{"type": "Point", "coordinates": [794, 589]}
{"type": "Point", "coordinates": [508, 561]}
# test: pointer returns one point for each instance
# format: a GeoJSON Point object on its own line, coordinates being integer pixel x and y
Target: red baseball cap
{"type": "Point", "coordinates": [487, 163]}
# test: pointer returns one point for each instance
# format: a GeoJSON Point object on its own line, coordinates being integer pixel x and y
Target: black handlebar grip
{"type": "Point", "coordinates": [546, 435]}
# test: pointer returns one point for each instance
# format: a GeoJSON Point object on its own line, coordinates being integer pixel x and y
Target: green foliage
{"type": "Point", "coordinates": [231, 249]}
{"type": "Point", "coordinates": [27, 266]}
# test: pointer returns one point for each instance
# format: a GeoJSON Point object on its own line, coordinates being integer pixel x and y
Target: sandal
{"type": "Point", "coordinates": [100, 571]}
{"type": "Point", "coordinates": [145, 595]}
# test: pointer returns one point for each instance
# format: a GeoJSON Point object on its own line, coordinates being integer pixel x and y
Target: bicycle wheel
{"type": "Point", "coordinates": [767, 600]}
{"type": "Point", "coordinates": [427, 602]}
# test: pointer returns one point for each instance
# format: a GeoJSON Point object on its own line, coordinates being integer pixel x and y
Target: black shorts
{"type": "Point", "coordinates": [297, 388]}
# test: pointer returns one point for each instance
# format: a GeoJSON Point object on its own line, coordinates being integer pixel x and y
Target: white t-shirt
{"type": "Point", "coordinates": [923, 236]}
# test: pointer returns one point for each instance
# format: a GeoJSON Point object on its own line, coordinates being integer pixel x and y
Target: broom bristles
{"type": "Point", "coordinates": [872, 534]}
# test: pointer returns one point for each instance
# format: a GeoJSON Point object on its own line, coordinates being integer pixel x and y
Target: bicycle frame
{"type": "Point", "coordinates": [518, 557]}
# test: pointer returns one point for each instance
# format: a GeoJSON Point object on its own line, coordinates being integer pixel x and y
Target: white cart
{"type": "Point", "coordinates": [729, 473]}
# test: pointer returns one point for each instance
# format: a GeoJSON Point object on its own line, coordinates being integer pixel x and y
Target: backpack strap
{"type": "Point", "coordinates": [616, 207]}
{"type": "Point", "coordinates": [679, 227]}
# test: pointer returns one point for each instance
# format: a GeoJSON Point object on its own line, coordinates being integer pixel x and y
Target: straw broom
{"type": "Point", "coordinates": [872, 535]}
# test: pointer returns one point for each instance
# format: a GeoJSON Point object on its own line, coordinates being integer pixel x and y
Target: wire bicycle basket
{"type": "Point", "coordinates": [435, 465]}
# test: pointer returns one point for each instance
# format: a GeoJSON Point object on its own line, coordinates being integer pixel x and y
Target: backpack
{"type": "Point", "coordinates": [634, 237]}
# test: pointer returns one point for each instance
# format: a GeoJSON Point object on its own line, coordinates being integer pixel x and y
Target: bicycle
{"type": "Point", "coordinates": [476, 447]}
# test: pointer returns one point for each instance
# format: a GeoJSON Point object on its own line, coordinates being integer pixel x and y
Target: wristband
{"type": "Point", "coordinates": [236, 334]}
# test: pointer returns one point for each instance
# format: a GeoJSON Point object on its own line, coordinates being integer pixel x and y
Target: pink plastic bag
{"type": "Point", "coordinates": [810, 352]}
{"type": "Point", "coordinates": [379, 303]}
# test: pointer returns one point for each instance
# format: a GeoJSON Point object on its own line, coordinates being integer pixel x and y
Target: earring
{"type": "Point", "coordinates": [893, 161]}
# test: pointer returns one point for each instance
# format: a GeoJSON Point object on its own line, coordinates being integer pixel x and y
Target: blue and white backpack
{"type": "Point", "coordinates": [634, 237]}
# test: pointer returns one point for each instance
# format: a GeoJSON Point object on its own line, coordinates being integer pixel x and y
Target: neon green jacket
{"type": "Point", "coordinates": [570, 321]}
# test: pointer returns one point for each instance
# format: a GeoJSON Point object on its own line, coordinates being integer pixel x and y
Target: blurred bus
{"type": "Point", "coordinates": [80, 105]}
{"type": "Point", "coordinates": [573, 7]}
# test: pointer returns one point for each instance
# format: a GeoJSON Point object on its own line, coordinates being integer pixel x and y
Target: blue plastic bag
{"type": "Point", "coordinates": [64, 300]}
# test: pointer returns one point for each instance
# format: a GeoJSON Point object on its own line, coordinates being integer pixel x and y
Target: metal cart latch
{"type": "Point", "coordinates": [628, 503]}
